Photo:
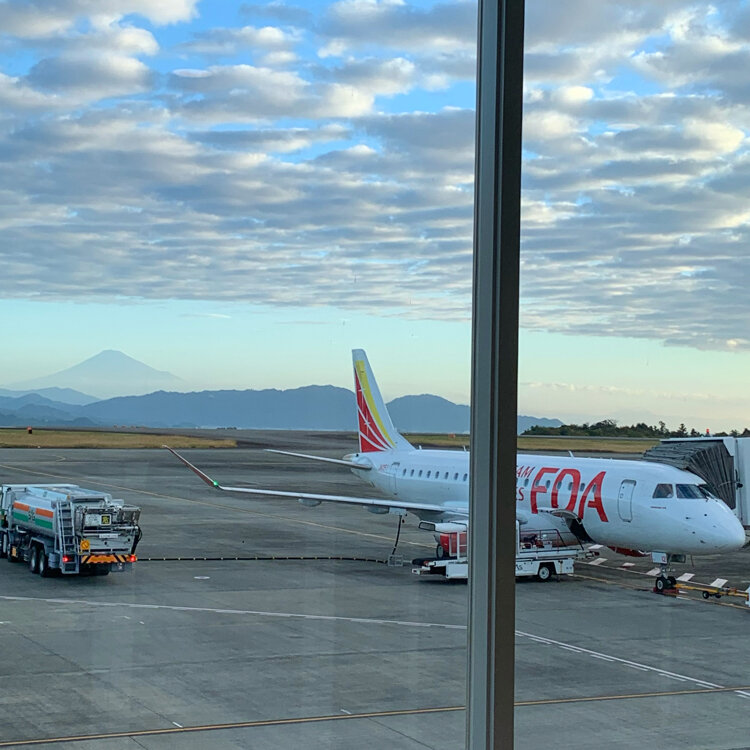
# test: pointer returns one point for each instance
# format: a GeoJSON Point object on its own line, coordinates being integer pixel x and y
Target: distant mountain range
{"type": "Point", "coordinates": [61, 395]}
{"type": "Point", "coordinates": [107, 374]}
{"type": "Point", "coordinates": [313, 407]}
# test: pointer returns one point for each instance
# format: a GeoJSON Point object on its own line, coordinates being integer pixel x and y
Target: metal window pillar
{"type": "Point", "coordinates": [494, 375]}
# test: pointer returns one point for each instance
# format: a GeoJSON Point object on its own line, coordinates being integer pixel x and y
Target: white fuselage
{"type": "Point", "coordinates": [616, 501]}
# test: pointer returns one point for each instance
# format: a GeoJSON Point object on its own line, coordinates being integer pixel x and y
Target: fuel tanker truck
{"type": "Point", "coordinates": [66, 528]}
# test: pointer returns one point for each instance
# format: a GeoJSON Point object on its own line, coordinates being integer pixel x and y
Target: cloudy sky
{"type": "Point", "coordinates": [241, 192]}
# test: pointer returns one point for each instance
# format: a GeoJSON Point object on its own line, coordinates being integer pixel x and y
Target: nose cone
{"type": "Point", "coordinates": [735, 534]}
{"type": "Point", "coordinates": [727, 533]}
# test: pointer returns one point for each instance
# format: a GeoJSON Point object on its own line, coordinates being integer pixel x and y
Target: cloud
{"type": "Point", "coordinates": [301, 159]}
{"type": "Point", "coordinates": [92, 77]}
{"type": "Point", "coordinates": [40, 18]}
{"type": "Point", "coordinates": [364, 24]}
{"type": "Point", "coordinates": [283, 12]}
{"type": "Point", "coordinates": [227, 41]}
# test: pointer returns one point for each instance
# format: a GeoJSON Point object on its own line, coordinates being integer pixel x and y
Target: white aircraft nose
{"type": "Point", "coordinates": [739, 538]}
{"type": "Point", "coordinates": [730, 534]}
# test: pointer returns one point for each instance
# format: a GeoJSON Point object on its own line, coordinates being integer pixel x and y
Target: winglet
{"type": "Point", "coordinates": [207, 479]}
{"type": "Point", "coordinates": [376, 430]}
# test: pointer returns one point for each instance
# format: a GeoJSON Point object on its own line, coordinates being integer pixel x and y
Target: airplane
{"type": "Point", "coordinates": [634, 507]}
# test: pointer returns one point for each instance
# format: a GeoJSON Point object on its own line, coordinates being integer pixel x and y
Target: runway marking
{"type": "Point", "coordinates": [718, 582]}
{"type": "Point", "coordinates": [685, 577]}
{"type": "Point", "coordinates": [598, 561]}
{"type": "Point", "coordinates": [346, 715]}
{"type": "Point", "coordinates": [629, 696]}
{"type": "Point", "coordinates": [231, 725]}
{"type": "Point", "coordinates": [162, 496]}
{"type": "Point", "coordinates": [371, 621]}
{"type": "Point", "coordinates": [257, 613]}
{"type": "Point", "coordinates": [623, 585]}
{"type": "Point", "coordinates": [653, 572]}
{"type": "Point", "coordinates": [634, 664]}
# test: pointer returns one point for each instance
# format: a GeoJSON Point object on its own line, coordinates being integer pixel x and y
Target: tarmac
{"type": "Point", "coordinates": [339, 649]}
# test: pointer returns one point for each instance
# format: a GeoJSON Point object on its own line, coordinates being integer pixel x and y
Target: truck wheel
{"type": "Point", "coordinates": [34, 559]}
{"type": "Point", "coordinates": [3, 545]}
{"type": "Point", "coordinates": [544, 573]}
{"type": "Point", "coordinates": [9, 549]}
{"type": "Point", "coordinates": [101, 570]}
{"type": "Point", "coordinates": [44, 570]}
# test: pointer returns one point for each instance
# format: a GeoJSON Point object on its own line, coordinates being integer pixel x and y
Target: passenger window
{"type": "Point", "coordinates": [428, 474]}
{"type": "Point", "coordinates": [526, 482]}
{"type": "Point", "coordinates": [465, 477]}
{"type": "Point", "coordinates": [663, 490]}
{"type": "Point", "coordinates": [446, 475]}
{"type": "Point", "coordinates": [411, 473]}
{"type": "Point", "coordinates": [570, 486]}
{"type": "Point", "coordinates": [455, 476]}
{"type": "Point", "coordinates": [420, 473]}
{"type": "Point", "coordinates": [403, 473]}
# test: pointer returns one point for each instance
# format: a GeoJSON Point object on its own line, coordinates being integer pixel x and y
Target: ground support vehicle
{"type": "Point", "coordinates": [539, 553]}
{"type": "Point", "coordinates": [67, 529]}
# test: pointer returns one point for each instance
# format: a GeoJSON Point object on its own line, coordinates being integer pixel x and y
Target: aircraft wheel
{"type": "Point", "coordinates": [544, 573]}
{"type": "Point", "coordinates": [672, 582]}
{"type": "Point", "coordinates": [34, 559]}
{"type": "Point", "coordinates": [662, 583]}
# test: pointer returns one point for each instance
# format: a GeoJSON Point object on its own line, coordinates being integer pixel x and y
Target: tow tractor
{"type": "Point", "coordinates": [540, 553]}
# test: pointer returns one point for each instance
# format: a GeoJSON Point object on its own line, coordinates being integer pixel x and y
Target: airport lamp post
{"type": "Point", "coordinates": [494, 375]}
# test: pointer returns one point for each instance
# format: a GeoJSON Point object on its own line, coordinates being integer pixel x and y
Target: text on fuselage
{"type": "Point", "coordinates": [563, 487]}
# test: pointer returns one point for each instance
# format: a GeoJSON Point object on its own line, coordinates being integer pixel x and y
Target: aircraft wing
{"type": "Point", "coordinates": [363, 501]}
{"type": "Point", "coordinates": [338, 461]}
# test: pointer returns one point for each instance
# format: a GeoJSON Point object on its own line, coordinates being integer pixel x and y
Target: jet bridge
{"type": "Point", "coordinates": [722, 462]}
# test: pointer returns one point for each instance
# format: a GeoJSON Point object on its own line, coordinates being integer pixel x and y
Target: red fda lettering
{"type": "Point", "coordinates": [575, 478]}
{"type": "Point", "coordinates": [593, 488]}
{"type": "Point", "coordinates": [537, 488]}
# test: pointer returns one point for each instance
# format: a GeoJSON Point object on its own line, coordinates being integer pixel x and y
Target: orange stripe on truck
{"type": "Point", "coordinates": [44, 512]}
{"type": "Point", "coordinates": [21, 506]}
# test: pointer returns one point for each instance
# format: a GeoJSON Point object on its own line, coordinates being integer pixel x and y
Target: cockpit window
{"type": "Point", "coordinates": [689, 490]}
{"type": "Point", "coordinates": [663, 490]}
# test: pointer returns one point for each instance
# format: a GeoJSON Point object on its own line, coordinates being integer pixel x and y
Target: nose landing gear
{"type": "Point", "coordinates": [665, 583]}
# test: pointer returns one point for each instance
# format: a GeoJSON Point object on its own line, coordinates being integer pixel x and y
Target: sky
{"type": "Point", "coordinates": [241, 192]}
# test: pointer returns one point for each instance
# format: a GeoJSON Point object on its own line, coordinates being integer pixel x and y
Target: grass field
{"type": "Point", "coordinates": [19, 438]}
{"type": "Point", "coordinates": [545, 443]}
{"type": "Point", "coordinates": [586, 444]}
